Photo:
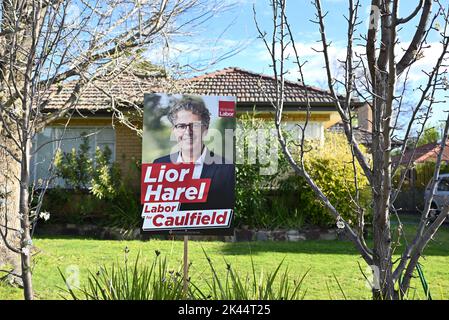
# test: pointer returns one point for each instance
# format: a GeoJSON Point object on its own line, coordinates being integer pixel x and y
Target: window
{"type": "Point", "coordinates": [53, 138]}
{"type": "Point", "coordinates": [314, 130]}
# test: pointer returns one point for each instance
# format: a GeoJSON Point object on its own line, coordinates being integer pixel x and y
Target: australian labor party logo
{"type": "Point", "coordinates": [226, 109]}
{"type": "Point", "coordinates": [165, 187]}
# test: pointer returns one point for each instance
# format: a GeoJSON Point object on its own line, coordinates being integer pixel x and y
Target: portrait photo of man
{"type": "Point", "coordinates": [189, 120]}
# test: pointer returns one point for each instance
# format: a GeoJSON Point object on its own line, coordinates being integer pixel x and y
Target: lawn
{"type": "Point", "coordinates": [325, 259]}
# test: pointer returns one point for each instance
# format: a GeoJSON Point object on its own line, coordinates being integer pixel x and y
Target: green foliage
{"type": "Point", "coordinates": [285, 200]}
{"type": "Point", "coordinates": [75, 167]}
{"type": "Point", "coordinates": [105, 181]}
{"type": "Point", "coordinates": [156, 281]}
{"type": "Point", "coordinates": [250, 200]}
{"type": "Point", "coordinates": [110, 194]}
{"type": "Point", "coordinates": [331, 167]}
{"type": "Point", "coordinates": [140, 281]}
{"type": "Point", "coordinates": [80, 172]}
{"type": "Point", "coordinates": [418, 176]}
{"type": "Point", "coordinates": [126, 209]}
{"type": "Point", "coordinates": [430, 134]}
{"type": "Point", "coordinates": [76, 207]}
{"type": "Point", "coordinates": [254, 206]}
{"type": "Point", "coordinates": [274, 285]}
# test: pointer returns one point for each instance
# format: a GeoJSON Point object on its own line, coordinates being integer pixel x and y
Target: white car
{"type": "Point", "coordinates": [441, 196]}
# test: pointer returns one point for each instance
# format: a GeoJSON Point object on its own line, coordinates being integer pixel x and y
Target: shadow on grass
{"type": "Point", "coordinates": [306, 246]}
{"type": "Point", "coordinates": [437, 247]}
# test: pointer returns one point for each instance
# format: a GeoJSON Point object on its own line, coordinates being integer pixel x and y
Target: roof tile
{"type": "Point", "coordinates": [247, 86]}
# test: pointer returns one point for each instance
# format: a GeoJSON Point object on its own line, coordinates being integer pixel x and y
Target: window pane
{"type": "Point", "coordinates": [67, 139]}
{"type": "Point", "coordinates": [42, 159]}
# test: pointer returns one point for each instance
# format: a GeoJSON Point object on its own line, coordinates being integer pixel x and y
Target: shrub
{"type": "Point", "coordinates": [331, 167]}
{"type": "Point", "coordinates": [285, 200]}
{"type": "Point", "coordinates": [75, 167]}
{"type": "Point", "coordinates": [106, 177]}
{"type": "Point", "coordinates": [253, 206]}
{"type": "Point", "coordinates": [109, 194]}
{"type": "Point", "coordinates": [250, 199]}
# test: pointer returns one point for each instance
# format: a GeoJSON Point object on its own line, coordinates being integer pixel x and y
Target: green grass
{"type": "Point", "coordinates": [324, 259]}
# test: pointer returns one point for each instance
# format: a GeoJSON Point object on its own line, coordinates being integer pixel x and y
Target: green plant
{"type": "Point", "coordinates": [252, 205]}
{"type": "Point", "coordinates": [106, 177]}
{"type": "Point", "coordinates": [275, 285]}
{"type": "Point", "coordinates": [139, 281]}
{"type": "Point", "coordinates": [75, 206]}
{"type": "Point", "coordinates": [330, 166]}
{"type": "Point", "coordinates": [75, 167]}
{"type": "Point", "coordinates": [125, 208]}
{"type": "Point", "coordinates": [285, 200]}
{"type": "Point", "coordinates": [109, 191]}
{"type": "Point", "coordinates": [80, 172]}
{"type": "Point", "coordinates": [430, 134]}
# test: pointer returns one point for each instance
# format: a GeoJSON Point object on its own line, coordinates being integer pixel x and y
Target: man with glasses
{"type": "Point", "coordinates": [190, 120]}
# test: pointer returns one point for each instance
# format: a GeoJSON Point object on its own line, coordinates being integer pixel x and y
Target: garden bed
{"type": "Point", "coordinates": [240, 234]}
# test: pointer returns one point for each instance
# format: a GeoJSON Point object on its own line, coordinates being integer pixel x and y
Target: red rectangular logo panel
{"type": "Point", "coordinates": [226, 109]}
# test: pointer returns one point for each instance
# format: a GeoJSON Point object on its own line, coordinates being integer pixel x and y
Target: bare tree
{"type": "Point", "coordinates": [47, 44]}
{"type": "Point", "coordinates": [378, 76]}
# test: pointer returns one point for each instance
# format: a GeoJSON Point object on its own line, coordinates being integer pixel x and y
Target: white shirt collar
{"type": "Point", "coordinates": [198, 161]}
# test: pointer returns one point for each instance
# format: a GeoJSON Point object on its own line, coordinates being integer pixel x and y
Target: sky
{"type": "Point", "coordinates": [235, 29]}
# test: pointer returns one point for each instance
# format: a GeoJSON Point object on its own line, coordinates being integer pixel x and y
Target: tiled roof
{"type": "Point", "coordinates": [248, 87]}
{"type": "Point", "coordinates": [252, 87]}
{"type": "Point", "coordinates": [100, 95]}
{"type": "Point", "coordinates": [427, 152]}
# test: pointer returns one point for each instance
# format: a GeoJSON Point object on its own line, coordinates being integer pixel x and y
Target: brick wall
{"type": "Point", "coordinates": [365, 117]}
{"type": "Point", "coordinates": [128, 150]}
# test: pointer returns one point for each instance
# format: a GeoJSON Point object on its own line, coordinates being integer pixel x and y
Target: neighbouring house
{"type": "Point", "coordinates": [422, 154]}
{"type": "Point", "coordinates": [414, 157]}
{"type": "Point", "coordinates": [421, 164]}
{"type": "Point", "coordinates": [100, 107]}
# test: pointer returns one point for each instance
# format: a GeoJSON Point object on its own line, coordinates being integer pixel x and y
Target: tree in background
{"type": "Point", "coordinates": [377, 75]}
{"type": "Point", "coordinates": [430, 135]}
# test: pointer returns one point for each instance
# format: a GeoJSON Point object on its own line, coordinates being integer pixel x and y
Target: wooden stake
{"type": "Point", "coordinates": [186, 266]}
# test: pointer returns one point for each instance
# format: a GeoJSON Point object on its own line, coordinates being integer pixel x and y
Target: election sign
{"type": "Point", "coordinates": [188, 172]}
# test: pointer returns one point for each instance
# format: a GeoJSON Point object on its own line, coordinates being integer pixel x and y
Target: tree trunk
{"type": "Point", "coordinates": [25, 222]}
{"type": "Point", "coordinates": [381, 193]}
{"type": "Point", "coordinates": [9, 218]}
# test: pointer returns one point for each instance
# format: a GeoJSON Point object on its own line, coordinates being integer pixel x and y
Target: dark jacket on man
{"type": "Point", "coordinates": [222, 174]}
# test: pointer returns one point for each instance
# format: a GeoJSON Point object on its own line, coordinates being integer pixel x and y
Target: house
{"type": "Point", "coordinates": [424, 157]}
{"type": "Point", "coordinates": [421, 164]}
{"type": "Point", "coordinates": [100, 106]}
{"type": "Point", "coordinates": [425, 153]}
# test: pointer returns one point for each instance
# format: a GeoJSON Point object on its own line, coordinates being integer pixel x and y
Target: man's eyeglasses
{"type": "Point", "coordinates": [192, 125]}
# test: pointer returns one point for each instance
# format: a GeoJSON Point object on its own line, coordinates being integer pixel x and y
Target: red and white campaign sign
{"type": "Point", "coordinates": [188, 174]}
{"type": "Point", "coordinates": [164, 186]}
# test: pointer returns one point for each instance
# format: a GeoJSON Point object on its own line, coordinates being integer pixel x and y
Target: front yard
{"type": "Point", "coordinates": [325, 259]}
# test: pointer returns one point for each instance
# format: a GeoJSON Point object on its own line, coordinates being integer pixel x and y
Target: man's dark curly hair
{"type": "Point", "coordinates": [190, 103]}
